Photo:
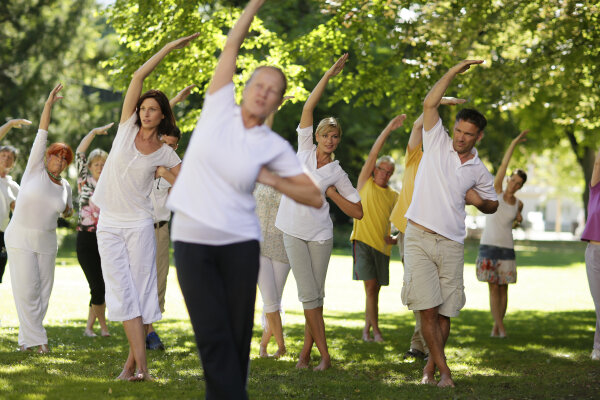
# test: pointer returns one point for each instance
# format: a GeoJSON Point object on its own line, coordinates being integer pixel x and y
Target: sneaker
{"type": "Point", "coordinates": [153, 342]}
{"type": "Point", "coordinates": [414, 353]}
{"type": "Point", "coordinates": [596, 355]}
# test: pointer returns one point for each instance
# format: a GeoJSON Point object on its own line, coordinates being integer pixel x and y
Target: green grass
{"type": "Point", "coordinates": [550, 324]}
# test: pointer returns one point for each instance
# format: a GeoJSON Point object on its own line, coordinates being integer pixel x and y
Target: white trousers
{"type": "Point", "coordinates": [32, 277]}
{"type": "Point", "coordinates": [271, 281]}
{"type": "Point", "coordinates": [128, 257]}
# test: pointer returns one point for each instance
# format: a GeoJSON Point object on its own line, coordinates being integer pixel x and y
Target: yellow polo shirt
{"type": "Point", "coordinates": [377, 203]}
{"type": "Point", "coordinates": [411, 165]}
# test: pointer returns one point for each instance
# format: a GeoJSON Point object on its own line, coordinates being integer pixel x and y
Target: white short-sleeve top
{"type": "Point", "coordinates": [309, 223]}
{"type": "Point", "coordinates": [9, 190]}
{"type": "Point", "coordinates": [39, 204]}
{"type": "Point", "coordinates": [438, 201]}
{"type": "Point", "coordinates": [212, 197]}
{"type": "Point", "coordinates": [123, 190]}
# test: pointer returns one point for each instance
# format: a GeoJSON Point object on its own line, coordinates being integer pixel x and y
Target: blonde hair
{"type": "Point", "coordinates": [327, 125]}
{"type": "Point", "coordinates": [96, 153]}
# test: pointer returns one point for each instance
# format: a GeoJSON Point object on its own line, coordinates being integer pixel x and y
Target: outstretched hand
{"type": "Point", "coordinates": [18, 123]}
{"type": "Point", "coordinates": [464, 65]}
{"type": "Point", "coordinates": [338, 66]}
{"type": "Point", "coordinates": [182, 42]}
{"type": "Point", "coordinates": [54, 97]}
{"type": "Point", "coordinates": [452, 101]}
{"type": "Point", "coordinates": [522, 137]}
{"type": "Point", "coordinates": [396, 122]}
{"type": "Point", "coordinates": [102, 130]}
{"type": "Point", "coordinates": [183, 94]}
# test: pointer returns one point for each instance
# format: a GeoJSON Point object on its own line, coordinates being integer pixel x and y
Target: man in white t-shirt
{"type": "Point", "coordinates": [450, 176]}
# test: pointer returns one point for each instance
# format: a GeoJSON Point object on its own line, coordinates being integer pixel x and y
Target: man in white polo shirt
{"type": "Point", "coordinates": [450, 175]}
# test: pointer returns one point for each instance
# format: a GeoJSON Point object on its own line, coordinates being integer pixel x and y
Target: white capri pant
{"type": "Point", "coordinates": [271, 281]}
{"type": "Point", "coordinates": [309, 261]}
{"type": "Point", "coordinates": [32, 277]}
{"type": "Point", "coordinates": [128, 258]}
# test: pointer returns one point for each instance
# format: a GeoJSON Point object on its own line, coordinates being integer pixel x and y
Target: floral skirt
{"type": "Point", "coordinates": [496, 265]}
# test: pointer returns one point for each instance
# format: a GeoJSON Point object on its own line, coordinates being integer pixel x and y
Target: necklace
{"type": "Point", "coordinates": [56, 178]}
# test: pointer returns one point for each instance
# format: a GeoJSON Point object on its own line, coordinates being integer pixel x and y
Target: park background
{"type": "Point", "coordinates": [540, 73]}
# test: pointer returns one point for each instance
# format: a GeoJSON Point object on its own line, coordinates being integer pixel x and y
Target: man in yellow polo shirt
{"type": "Point", "coordinates": [371, 240]}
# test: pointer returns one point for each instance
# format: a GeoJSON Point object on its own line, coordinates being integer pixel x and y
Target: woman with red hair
{"type": "Point", "coordinates": [31, 234]}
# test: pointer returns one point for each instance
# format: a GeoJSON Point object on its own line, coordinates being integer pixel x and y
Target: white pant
{"type": "Point", "coordinates": [271, 281]}
{"type": "Point", "coordinates": [32, 277]}
{"type": "Point", "coordinates": [128, 258]}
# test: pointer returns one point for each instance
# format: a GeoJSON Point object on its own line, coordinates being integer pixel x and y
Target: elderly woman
{"type": "Point", "coordinates": [88, 173]}
{"type": "Point", "coordinates": [496, 259]}
{"type": "Point", "coordinates": [215, 230]}
{"type": "Point", "coordinates": [125, 231]}
{"type": "Point", "coordinates": [31, 234]}
{"type": "Point", "coordinates": [308, 232]}
{"type": "Point", "coordinates": [8, 188]}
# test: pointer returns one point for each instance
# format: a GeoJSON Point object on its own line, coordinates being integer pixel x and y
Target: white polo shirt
{"type": "Point", "coordinates": [438, 201]}
{"type": "Point", "coordinates": [212, 197]}
{"type": "Point", "coordinates": [309, 223]}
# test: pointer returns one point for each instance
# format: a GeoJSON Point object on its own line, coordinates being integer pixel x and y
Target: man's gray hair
{"type": "Point", "coordinates": [385, 159]}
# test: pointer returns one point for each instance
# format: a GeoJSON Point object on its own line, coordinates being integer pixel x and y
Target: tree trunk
{"type": "Point", "coordinates": [586, 156]}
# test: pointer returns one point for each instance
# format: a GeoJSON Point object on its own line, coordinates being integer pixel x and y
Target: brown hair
{"type": "Point", "coordinates": [60, 149]}
{"type": "Point", "coordinates": [168, 122]}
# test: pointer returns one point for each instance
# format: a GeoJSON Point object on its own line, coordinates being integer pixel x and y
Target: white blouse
{"type": "Point", "coordinates": [39, 204]}
{"type": "Point", "coordinates": [309, 223]}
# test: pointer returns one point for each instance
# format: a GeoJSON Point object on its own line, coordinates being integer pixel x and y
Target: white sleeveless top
{"type": "Point", "coordinates": [498, 226]}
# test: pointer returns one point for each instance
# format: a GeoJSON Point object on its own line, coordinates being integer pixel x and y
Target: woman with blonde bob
{"type": "Point", "coordinates": [308, 232]}
{"type": "Point", "coordinates": [31, 234]}
{"type": "Point", "coordinates": [88, 173]}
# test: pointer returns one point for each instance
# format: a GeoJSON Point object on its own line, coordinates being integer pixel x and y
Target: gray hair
{"type": "Point", "coordinates": [385, 159]}
{"type": "Point", "coordinates": [96, 153]}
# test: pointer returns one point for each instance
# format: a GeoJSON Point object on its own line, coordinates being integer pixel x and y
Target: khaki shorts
{"type": "Point", "coordinates": [433, 272]}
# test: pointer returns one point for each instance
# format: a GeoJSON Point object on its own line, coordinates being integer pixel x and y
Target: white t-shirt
{"type": "Point", "coordinates": [212, 197]}
{"type": "Point", "coordinates": [438, 201]}
{"type": "Point", "coordinates": [309, 223]}
{"type": "Point", "coordinates": [9, 190]}
{"type": "Point", "coordinates": [160, 192]}
{"type": "Point", "coordinates": [40, 203]}
{"type": "Point", "coordinates": [123, 190]}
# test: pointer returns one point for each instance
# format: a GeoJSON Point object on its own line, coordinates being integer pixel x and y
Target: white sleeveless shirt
{"type": "Point", "coordinates": [498, 226]}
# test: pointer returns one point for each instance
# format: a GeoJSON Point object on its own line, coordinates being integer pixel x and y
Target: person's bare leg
{"type": "Point", "coordinates": [148, 328]}
{"type": "Point", "coordinates": [89, 327]}
{"type": "Point", "coordinates": [316, 324]}
{"type": "Point", "coordinates": [304, 357]}
{"type": "Point", "coordinates": [99, 311]}
{"type": "Point", "coordinates": [445, 330]}
{"type": "Point", "coordinates": [129, 367]}
{"type": "Point", "coordinates": [134, 329]}
{"type": "Point", "coordinates": [495, 309]}
{"type": "Point", "coordinates": [274, 320]}
{"type": "Point", "coordinates": [503, 302]}
{"type": "Point", "coordinates": [372, 309]}
{"type": "Point", "coordinates": [264, 341]}
{"type": "Point", "coordinates": [432, 331]}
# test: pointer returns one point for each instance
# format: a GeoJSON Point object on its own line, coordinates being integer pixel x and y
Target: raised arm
{"type": "Point", "coordinates": [227, 60]}
{"type": "Point", "coordinates": [353, 210]}
{"type": "Point", "coordinates": [134, 90]}
{"type": "Point", "coordinates": [299, 188]}
{"type": "Point", "coordinates": [181, 96]}
{"type": "Point", "coordinates": [596, 171]}
{"type": "Point", "coordinates": [369, 164]}
{"type": "Point", "coordinates": [53, 97]}
{"type": "Point", "coordinates": [87, 139]}
{"type": "Point", "coordinates": [416, 135]}
{"type": "Point", "coordinates": [13, 123]}
{"type": "Point", "coordinates": [311, 103]}
{"type": "Point", "coordinates": [499, 179]}
{"type": "Point", "coordinates": [434, 97]}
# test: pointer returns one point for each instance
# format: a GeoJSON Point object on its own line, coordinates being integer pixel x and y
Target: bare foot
{"type": "Point", "coordinates": [446, 381]}
{"type": "Point", "coordinates": [303, 363]}
{"type": "Point", "coordinates": [377, 337]}
{"type": "Point", "coordinates": [323, 365]}
{"type": "Point", "coordinates": [262, 352]}
{"type": "Point", "coordinates": [141, 377]}
{"type": "Point", "coordinates": [105, 333]}
{"type": "Point", "coordinates": [280, 352]}
{"type": "Point", "coordinates": [24, 348]}
{"type": "Point", "coordinates": [43, 349]}
{"type": "Point", "coordinates": [366, 337]}
{"type": "Point", "coordinates": [428, 377]}
{"type": "Point", "coordinates": [89, 333]}
{"type": "Point", "coordinates": [125, 374]}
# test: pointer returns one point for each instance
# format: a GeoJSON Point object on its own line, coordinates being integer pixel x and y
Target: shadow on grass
{"type": "Point", "coordinates": [545, 356]}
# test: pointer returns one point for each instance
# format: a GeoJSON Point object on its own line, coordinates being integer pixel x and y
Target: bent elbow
{"type": "Point", "coordinates": [492, 208]}
{"type": "Point", "coordinates": [358, 213]}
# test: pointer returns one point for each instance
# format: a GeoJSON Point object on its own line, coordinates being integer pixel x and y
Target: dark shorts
{"type": "Point", "coordinates": [369, 264]}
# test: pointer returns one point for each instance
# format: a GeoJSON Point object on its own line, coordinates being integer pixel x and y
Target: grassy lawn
{"type": "Point", "coordinates": [550, 324]}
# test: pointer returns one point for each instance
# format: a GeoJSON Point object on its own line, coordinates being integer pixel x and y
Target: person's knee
{"type": "Point", "coordinates": [372, 288]}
